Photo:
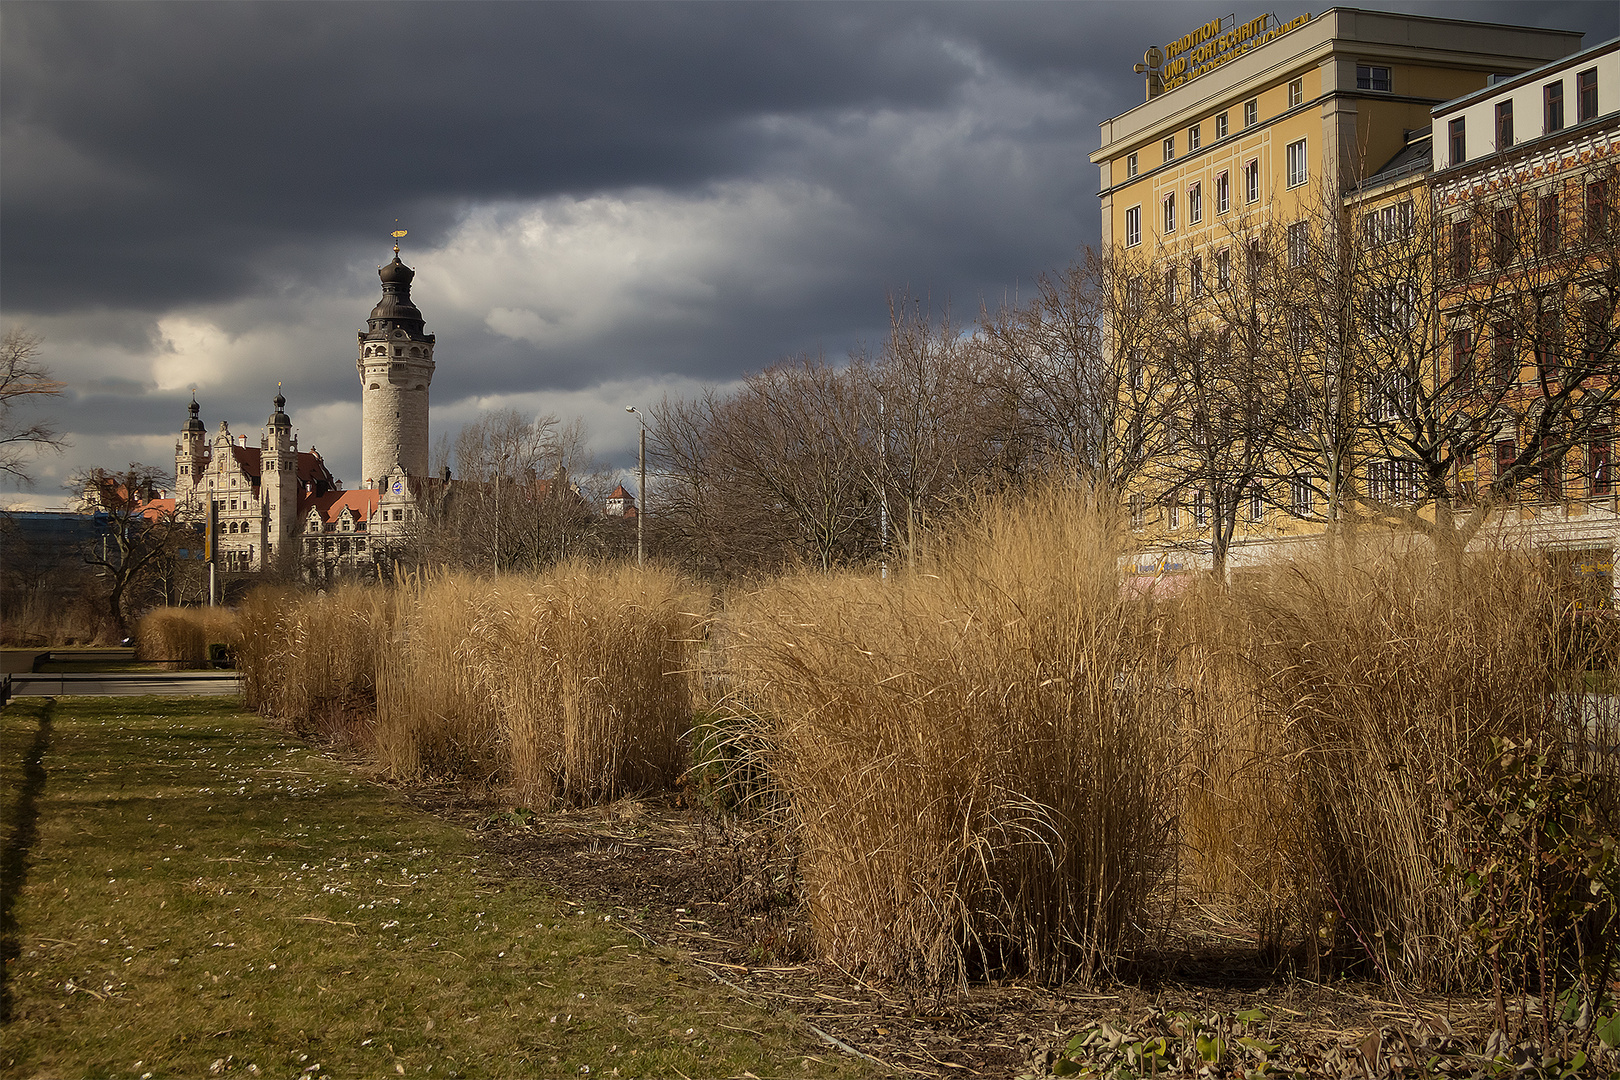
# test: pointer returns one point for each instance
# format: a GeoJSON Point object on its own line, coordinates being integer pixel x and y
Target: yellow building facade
{"type": "Point", "coordinates": [1249, 129]}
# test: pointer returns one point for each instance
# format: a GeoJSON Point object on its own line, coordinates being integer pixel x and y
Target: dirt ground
{"type": "Point", "coordinates": [681, 879]}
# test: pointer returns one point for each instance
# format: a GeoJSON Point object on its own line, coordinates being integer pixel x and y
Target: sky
{"type": "Point", "coordinates": [606, 203]}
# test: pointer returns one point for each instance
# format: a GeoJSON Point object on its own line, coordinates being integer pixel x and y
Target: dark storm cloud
{"type": "Point", "coordinates": [238, 166]}
{"type": "Point", "coordinates": [152, 148]}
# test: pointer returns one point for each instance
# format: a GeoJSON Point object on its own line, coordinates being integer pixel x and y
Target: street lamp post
{"type": "Point", "coordinates": [641, 485]}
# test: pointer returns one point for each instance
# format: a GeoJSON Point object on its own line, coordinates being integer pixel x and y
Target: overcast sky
{"type": "Point", "coordinates": [606, 202]}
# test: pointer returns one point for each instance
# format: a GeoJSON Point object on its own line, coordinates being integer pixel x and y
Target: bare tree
{"type": "Point", "coordinates": [1076, 357]}
{"type": "Point", "coordinates": [22, 378]}
{"type": "Point", "coordinates": [135, 533]}
{"type": "Point", "coordinates": [1480, 343]}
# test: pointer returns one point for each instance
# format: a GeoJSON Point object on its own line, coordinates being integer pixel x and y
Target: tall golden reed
{"type": "Point", "coordinates": [1370, 686]}
{"type": "Point", "coordinates": [591, 670]}
{"type": "Point", "coordinates": [435, 715]}
{"type": "Point", "coordinates": [979, 754]}
{"type": "Point", "coordinates": [179, 637]}
{"type": "Point", "coordinates": [311, 659]}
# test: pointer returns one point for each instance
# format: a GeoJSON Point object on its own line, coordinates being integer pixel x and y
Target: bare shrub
{"type": "Point", "coordinates": [979, 753]}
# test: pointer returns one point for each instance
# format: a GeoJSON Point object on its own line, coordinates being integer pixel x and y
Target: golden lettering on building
{"type": "Point", "coordinates": [1208, 47]}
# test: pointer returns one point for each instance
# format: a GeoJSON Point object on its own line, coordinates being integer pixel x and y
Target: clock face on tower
{"type": "Point", "coordinates": [398, 487]}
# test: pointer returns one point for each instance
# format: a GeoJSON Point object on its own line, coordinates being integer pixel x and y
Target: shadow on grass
{"type": "Point", "coordinates": [21, 831]}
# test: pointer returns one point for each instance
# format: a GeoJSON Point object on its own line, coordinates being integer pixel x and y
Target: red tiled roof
{"type": "Point", "coordinates": [247, 458]}
{"type": "Point", "coordinates": [619, 493]}
{"type": "Point", "coordinates": [361, 503]}
{"type": "Point", "coordinates": [157, 509]}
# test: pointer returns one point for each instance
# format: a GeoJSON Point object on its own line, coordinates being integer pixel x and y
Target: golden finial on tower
{"type": "Point", "coordinates": [397, 234]}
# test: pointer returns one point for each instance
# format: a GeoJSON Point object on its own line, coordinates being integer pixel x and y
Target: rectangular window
{"type": "Point", "coordinates": [1195, 204]}
{"type": "Point", "coordinates": [1175, 512]}
{"type": "Point", "coordinates": [1130, 165]}
{"type": "Point", "coordinates": [1462, 359]}
{"type": "Point", "coordinates": [1598, 458]}
{"type": "Point", "coordinates": [1133, 226]}
{"type": "Point", "coordinates": [1504, 354]}
{"type": "Point", "coordinates": [1170, 148]}
{"type": "Point", "coordinates": [1223, 193]}
{"type": "Point", "coordinates": [1395, 222]}
{"type": "Point", "coordinates": [1507, 452]}
{"type": "Point", "coordinates": [1194, 138]}
{"type": "Point", "coordinates": [1251, 112]}
{"type": "Point", "coordinates": [1504, 124]}
{"type": "Point", "coordinates": [1369, 229]}
{"type": "Point", "coordinates": [1195, 279]}
{"type": "Point", "coordinates": [1547, 223]}
{"type": "Point", "coordinates": [1170, 291]}
{"type": "Point", "coordinates": [1595, 332]}
{"type": "Point", "coordinates": [1133, 294]}
{"type": "Point", "coordinates": [1299, 336]}
{"type": "Point", "coordinates": [1170, 213]}
{"type": "Point", "coordinates": [1138, 511]}
{"type": "Point", "coordinates": [1223, 268]}
{"type": "Point", "coordinates": [1504, 236]}
{"type": "Point", "coordinates": [1135, 371]}
{"type": "Point", "coordinates": [1299, 244]}
{"type": "Point", "coordinates": [1457, 131]}
{"type": "Point", "coordinates": [1462, 250]}
{"type": "Point", "coordinates": [1552, 102]}
{"type": "Point", "coordinates": [1597, 209]}
{"type": "Point", "coordinates": [1298, 173]}
{"type": "Point", "coordinates": [1251, 181]}
{"type": "Point", "coordinates": [1550, 468]}
{"type": "Point", "coordinates": [1200, 508]}
{"type": "Point", "coordinates": [1257, 507]}
{"type": "Point", "coordinates": [1586, 87]}
{"type": "Point", "coordinates": [1299, 497]}
{"type": "Point", "coordinates": [1296, 92]}
{"type": "Point", "coordinates": [1220, 126]}
{"type": "Point", "coordinates": [1369, 77]}
{"type": "Point", "coordinates": [1380, 480]}
{"type": "Point", "coordinates": [1549, 340]}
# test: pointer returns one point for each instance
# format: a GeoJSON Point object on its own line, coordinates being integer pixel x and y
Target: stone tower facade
{"type": "Point", "coordinates": [396, 369]}
{"type": "Point", "coordinates": [191, 454]}
{"type": "Point", "coordinates": [278, 483]}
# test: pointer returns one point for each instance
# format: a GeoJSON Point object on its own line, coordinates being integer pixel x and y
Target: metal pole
{"type": "Point", "coordinates": [883, 491]}
{"type": "Point", "coordinates": [497, 524]}
{"type": "Point", "coordinates": [641, 494]}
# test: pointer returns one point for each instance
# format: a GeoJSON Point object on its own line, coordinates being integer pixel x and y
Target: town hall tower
{"type": "Point", "coordinates": [396, 369]}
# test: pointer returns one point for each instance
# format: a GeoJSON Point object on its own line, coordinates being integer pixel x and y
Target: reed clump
{"type": "Point", "coordinates": [979, 753]}
{"type": "Point", "coordinates": [435, 714]}
{"type": "Point", "coordinates": [311, 659]}
{"type": "Point", "coordinates": [591, 674]}
{"type": "Point", "coordinates": [178, 638]}
{"type": "Point", "coordinates": [1328, 752]}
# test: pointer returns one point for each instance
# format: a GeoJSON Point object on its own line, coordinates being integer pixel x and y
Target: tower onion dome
{"type": "Point", "coordinates": [395, 307]}
{"type": "Point", "coordinates": [195, 424]}
{"type": "Point", "coordinates": [279, 418]}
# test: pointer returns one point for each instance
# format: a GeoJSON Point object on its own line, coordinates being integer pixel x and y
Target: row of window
{"type": "Point", "coordinates": [1550, 228]}
{"type": "Point", "coordinates": [1552, 114]}
{"type": "Point", "coordinates": [1298, 173]}
{"type": "Point", "coordinates": [1368, 77]}
{"type": "Point", "coordinates": [1390, 481]}
{"type": "Point", "coordinates": [340, 546]}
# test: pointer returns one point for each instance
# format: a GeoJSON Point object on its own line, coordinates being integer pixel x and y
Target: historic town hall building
{"type": "Point", "coordinates": [277, 505]}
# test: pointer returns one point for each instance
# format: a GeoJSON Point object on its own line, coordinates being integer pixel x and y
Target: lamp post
{"type": "Point", "coordinates": [641, 485]}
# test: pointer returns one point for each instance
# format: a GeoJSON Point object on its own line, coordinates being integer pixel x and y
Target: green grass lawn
{"type": "Point", "coordinates": [207, 896]}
